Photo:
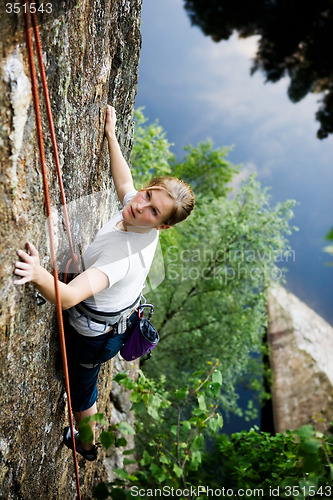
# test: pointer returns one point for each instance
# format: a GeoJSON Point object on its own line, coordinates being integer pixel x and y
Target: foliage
{"type": "Point", "coordinates": [86, 434]}
{"type": "Point", "coordinates": [218, 264]}
{"type": "Point", "coordinates": [171, 439]}
{"type": "Point", "coordinates": [206, 170]}
{"type": "Point", "coordinates": [150, 154]}
{"type": "Point", "coordinates": [173, 443]}
{"type": "Point", "coordinates": [295, 39]}
{"type": "Point", "coordinates": [296, 463]}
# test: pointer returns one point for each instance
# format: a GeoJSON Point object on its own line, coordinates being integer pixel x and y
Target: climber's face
{"type": "Point", "coordinates": [149, 208]}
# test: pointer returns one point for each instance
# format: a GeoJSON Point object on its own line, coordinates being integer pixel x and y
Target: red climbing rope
{"type": "Point", "coordinates": [74, 259]}
{"type": "Point", "coordinates": [47, 199]}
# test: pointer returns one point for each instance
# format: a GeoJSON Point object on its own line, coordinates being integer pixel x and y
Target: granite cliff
{"type": "Point", "coordinates": [91, 54]}
{"type": "Point", "coordinates": [301, 344]}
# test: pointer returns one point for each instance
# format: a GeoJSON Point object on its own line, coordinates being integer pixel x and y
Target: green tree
{"type": "Point", "coordinates": [171, 432]}
{"type": "Point", "coordinates": [295, 464]}
{"type": "Point", "coordinates": [218, 264]}
{"type": "Point", "coordinates": [295, 40]}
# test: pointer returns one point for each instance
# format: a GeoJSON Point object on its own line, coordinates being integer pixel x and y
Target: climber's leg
{"type": "Point", "coordinates": [80, 415]}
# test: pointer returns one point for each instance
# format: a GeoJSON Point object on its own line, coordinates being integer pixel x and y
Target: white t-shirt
{"type": "Point", "coordinates": [125, 258]}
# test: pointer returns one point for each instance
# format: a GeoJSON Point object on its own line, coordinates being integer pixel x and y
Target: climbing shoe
{"type": "Point", "coordinates": [90, 455]}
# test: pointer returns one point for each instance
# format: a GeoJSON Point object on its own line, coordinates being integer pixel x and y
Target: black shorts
{"type": "Point", "coordinates": [83, 350]}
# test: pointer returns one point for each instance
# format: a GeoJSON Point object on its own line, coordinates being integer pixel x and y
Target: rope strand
{"type": "Point", "coordinates": [52, 132]}
{"type": "Point", "coordinates": [51, 236]}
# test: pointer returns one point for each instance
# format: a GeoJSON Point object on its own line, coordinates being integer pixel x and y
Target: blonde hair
{"type": "Point", "coordinates": [180, 192]}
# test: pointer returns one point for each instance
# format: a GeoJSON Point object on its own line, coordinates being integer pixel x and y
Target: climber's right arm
{"type": "Point", "coordinates": [83, 286]}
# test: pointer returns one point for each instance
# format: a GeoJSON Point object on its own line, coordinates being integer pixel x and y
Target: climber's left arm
{"type": "Point", "coordinates": [83, 286]}
{"type": "Point", "coordinates": [121, 173]}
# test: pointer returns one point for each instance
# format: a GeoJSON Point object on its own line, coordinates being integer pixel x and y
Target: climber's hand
{"type": "Point", "coordinates": [28, 266]}
{"type": "Point", "coordinates": [110, 121]}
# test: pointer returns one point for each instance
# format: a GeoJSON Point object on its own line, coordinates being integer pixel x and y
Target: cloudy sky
{"type": "Point", "coordinates": [198, 89]}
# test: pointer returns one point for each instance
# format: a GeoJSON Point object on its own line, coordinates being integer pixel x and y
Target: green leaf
{"type": "Point", "coordinates": [97, 417]}
{"type": "Point", "coordinates": [86, 434]}
{"type": "Point", "coordinates": [310, 446]}
{"type": "Point", "coordinates": [214, 389]}
{"type": "Point", "coordinates": [177, 470]}
{"type": "Point", "coordinates": [135, 397]}
{"type": "Point", "coordinates": [174, 430]}
{"type": "Point", "coordinates": [329, 235]}
{"type": "Point", "coordinates": [139, 407]}
{"type": "Point", "coordinates": [101, 492]}
{"type": "Point", "coordinates": [217, 377]}
{"type": "Point", "coordinates": [120, 377]}
{"type": "Point", "coordinates": [126, 461]}
{"type": "Point", "coordinates": [181, 393]}
{"type": "Point", "coordinates": [129, 452]}
{"type": "Point", "coordinates": [197, 443]}
{"type": "Point", "coordinates": [219, 420]}
{"type": "Point", "coordinates": [186, 425]}
{"type": "Point", "coordinates": [195, 459]}
{"type": "Point", "coordinates": [154, 401]}
{"type": "Point", "coordinates": [146, 458]}
{"type": "Point", "coordinates": [305, 431]}
{"type": "Point", "coordinates": [118, 494]}
{"type": "Point", "coordinates": [121, 442]}
{"type": "Point", "coordinates": [155, 469]}
{"type": "Point", "coordinates": [107, 439]}
{"type": "Point", "coordinates": [213, 424]}
{"type": "Point", "coordinates": [126, 428]}
{"type": "Point", "coordinates": [164, 459]}
{"type": "Point", "coordinates": [125, 380]}
{"type": "Point", "coordinates": [122, 473]}
{"type": "Point", "coordinates": [202, 402]}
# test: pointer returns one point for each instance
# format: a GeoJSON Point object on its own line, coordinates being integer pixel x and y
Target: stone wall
{"type": "Point", "coordinates": [301, 345]}
{"type": "Point", "coordinates": [91, 53]}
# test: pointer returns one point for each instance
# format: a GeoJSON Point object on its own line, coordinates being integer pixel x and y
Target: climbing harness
{"type": "Point", "coordinates": [117, 319]}
{"type": "Point", "coordinates": [29, 15]}
{"type": "Point", "coordinates": [143, 336]}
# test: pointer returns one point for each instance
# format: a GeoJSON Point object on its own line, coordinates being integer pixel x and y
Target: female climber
{"type": "Point", "coordinates": [115, 266]}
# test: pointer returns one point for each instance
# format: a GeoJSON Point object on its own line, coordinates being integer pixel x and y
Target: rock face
{"type": "Point", "coordinates": [301, 359]}
{"type": "Point", "coordinates": [91, 53]}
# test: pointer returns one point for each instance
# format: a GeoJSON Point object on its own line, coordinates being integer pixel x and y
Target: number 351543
{"type": "Point", "coordinates": [17, 8]}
